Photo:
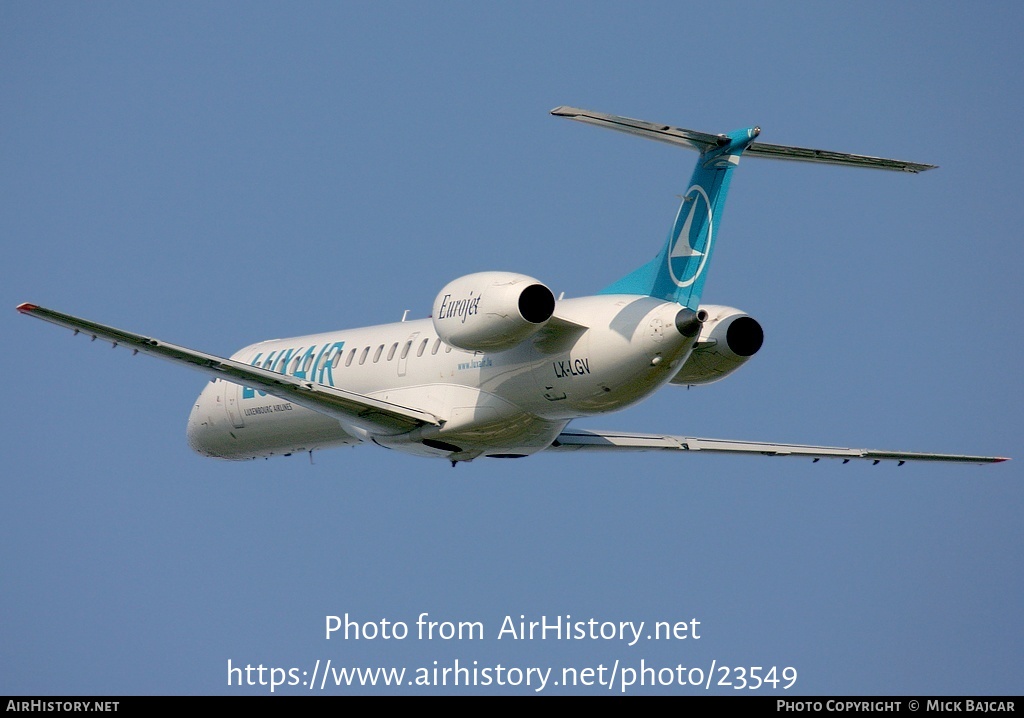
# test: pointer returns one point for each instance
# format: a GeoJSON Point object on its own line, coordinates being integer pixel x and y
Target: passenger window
{"type": "Point", "coordinates": [351, 356]}
{"type": "Point", "coordinates": [448, 349]}
{"type": "Point", "coordinates": [419, 352]}
{"type": "Point", "coordinates": [406, 348]}
{"type": "Point", "coordinates": [376, 354]}
{"type": "Point", "coordinates": [437, 343]}
{"type": "Point", "coordinates": [362, 357]}
{"type": "Point", "coordinates": [391, 351]}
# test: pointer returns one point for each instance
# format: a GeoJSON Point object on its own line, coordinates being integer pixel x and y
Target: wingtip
{"type": "Point", "coordinates": [25, 307]}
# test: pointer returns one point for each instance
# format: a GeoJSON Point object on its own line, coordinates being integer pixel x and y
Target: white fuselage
{"type": "Point", "coordinates": [618, 349]}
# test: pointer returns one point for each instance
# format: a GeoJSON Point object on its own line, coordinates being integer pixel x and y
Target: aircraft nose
{"type": "Point", "coordinates": [194, 431]}
{"type": "Point", "coordinates": [201, 430]}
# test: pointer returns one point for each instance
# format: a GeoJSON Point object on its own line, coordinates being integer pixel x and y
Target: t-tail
{"type": "Point", "coordinates": [677, 274]}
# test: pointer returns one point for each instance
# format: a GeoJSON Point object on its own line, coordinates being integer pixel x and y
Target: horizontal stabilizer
{"type": "Point", "coordinates": [621, 441]}
{"type": "Point", "coordinates": [702, 141]}
{"type": "Point", "coordinates": [803, 154]}
{"type": "Point", "coordinates": [692, 139]}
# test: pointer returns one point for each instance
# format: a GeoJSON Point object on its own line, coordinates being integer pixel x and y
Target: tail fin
{"type": "Point", "coordinates": [677, 274]}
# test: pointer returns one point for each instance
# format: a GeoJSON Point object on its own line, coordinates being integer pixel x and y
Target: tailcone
{"type": "Point", "coordinates": [689, 322]}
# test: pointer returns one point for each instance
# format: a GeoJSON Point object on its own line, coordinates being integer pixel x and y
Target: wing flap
{"type": "Point", "coordinates": [364, 411]}
{"type": "Point", "coordinates": [580, 440]}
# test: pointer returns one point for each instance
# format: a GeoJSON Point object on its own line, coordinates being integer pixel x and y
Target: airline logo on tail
{"type": "Point", "coordinates": [692, 245]}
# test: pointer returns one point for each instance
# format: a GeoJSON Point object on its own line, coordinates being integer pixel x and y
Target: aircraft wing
{"type": "Point", "coordinates": [357, 409]}
{"type": "Point", "coordinates": [581, 440]}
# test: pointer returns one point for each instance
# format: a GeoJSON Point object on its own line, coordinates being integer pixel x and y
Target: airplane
{"type": "Point", "coordinates": [501, 367]}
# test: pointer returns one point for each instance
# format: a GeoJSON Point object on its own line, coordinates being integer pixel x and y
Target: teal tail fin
{"type": "Point", "coordinates": [677, 274]}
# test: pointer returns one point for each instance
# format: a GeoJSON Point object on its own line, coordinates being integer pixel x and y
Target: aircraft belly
{"type": "Point", "coordinates": [477, 422]}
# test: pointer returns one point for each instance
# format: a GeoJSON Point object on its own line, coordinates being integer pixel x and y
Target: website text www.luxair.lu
{"type": "Point", "coordinates": [615, 675]}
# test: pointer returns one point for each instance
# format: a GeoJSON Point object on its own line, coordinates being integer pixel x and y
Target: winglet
{"type": "Point", "coordinates": [25, 307]}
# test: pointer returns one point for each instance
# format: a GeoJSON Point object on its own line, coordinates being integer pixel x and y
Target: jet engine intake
{"type": "Point", "coordinates": [491, 311]}
{"type": "Point", "coordinates": [727, 340]}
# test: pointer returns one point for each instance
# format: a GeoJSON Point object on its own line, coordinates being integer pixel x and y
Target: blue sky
{"type": "Point", "coordinates": [217, 174]}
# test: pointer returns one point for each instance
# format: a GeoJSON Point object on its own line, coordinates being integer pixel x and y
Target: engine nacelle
{"type": "Point", "coordinates": [491, 311]}
{"type": "Point", "coordinates": [727, 340]}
